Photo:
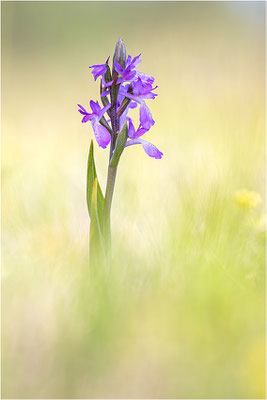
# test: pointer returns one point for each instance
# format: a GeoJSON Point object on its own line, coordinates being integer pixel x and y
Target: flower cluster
{"type": "Point", "coordinates": [121, 90]}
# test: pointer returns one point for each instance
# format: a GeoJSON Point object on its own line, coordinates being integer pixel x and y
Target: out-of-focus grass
{"type": "Point", "coordinates": [180, 314]}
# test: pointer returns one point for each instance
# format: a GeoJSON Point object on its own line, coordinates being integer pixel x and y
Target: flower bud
{"type": "Point", "coordinates": [120, 54]}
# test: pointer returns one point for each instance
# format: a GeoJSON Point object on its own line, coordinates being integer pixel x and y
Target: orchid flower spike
{"type": "Point", "coordinates": [123, 90]}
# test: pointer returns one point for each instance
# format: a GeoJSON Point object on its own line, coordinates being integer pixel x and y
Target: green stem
{"type": "Point", "coordinates": [112, 171]}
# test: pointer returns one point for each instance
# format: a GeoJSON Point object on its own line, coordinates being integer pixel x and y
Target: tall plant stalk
{"type": "Point", "coordinates": [121, 89]}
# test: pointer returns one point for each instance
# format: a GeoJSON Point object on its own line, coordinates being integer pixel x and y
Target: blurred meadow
{"type": "Point", "coordinates": [181, 312]}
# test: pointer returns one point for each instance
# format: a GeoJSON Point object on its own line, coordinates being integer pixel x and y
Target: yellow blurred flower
{"type": "Point", "coordinates": [252, 370]}
{"type": "Point", "coordinates": [247, 199]}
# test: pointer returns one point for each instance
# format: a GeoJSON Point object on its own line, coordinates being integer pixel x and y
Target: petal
{"type": "Point", "coordinates": [140, 131]}
{"type": "Point", "coordinates": [136, 61]}
{"type": "Point", "coordinates": [133, 97]}
{"type": "Point", "coordinates": [87, 117]}
{"type": "Point", "coordinates": [102, 112]}
{"type": "Point", "coordinates": [96, 65]}
{"type": "Point", "coordinates": [108, 84]}
{"type": "Point", "coordinates": [95, 107]}
{"type": "Point", "coordinates": [144, 77]}
{"type": "Point", "coordinates": [118, 68]}
{"type": "Point", "coordinates": [138, 87]}
{"type": "Point", "coordinates": [150, 96]}
{"type": "Point", "coordinates": [132, 133]}
{"type": "Point", "coordinates": [129, 60]}
{"type": "Point", "coordinates": [101, 134]}
{"type": "Point", "coordinates": [123, 117]}
{"type": "Point", "coordinates": [98, 70]}
{"type": "Point", "coordinates": [131, 129]}
{"type": "Point", "coordinates": [133, 104]}
{"type": "Point", "coordinates": [82, 112]}
{"type": "Point", "coordinates": [105, 93]}
{"type": "Point", "coordinates": [82, 109]}
{"type": "Point", "coordinates": [145, 116]}
{"type": "Point", "coordinates": [149, 148]}
{"type": "Point", "coordinates": [129, 76]}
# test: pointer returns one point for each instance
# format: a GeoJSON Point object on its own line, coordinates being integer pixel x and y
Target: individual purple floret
{"type": "Point", "coordinates": [132, 133]}
{"type": "Point", "coordinates": [144, 77]}
{"type": "Point", "coordinates": [141, 90]}
{"type": "Point", "coordinates": [134, 136]}
{"type": "Point", "coordinates": [101, 133]}
{"type": "Point", "coordinates": [99, 70]}
{"type": "Point", "coordinates": [129, 72]}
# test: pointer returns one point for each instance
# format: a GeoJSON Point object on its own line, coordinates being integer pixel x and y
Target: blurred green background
{"type": "Point", "coordinates": [180, 314]}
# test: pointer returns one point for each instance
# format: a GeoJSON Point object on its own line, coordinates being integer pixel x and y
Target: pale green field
{"type": "Point", "coordinates": [180, 314]}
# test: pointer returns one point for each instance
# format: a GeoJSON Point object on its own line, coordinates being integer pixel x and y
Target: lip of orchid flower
{"type": "Point", "coordinates": [102, 135]}
{"type": "Point", "coordinates": [150, 149]}
{"type": "Point", "coordinates": [145, 116]}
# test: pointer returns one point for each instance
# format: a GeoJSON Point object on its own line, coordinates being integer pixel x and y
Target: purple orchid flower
{"type": "Point", "coordinates": [132, 133]}
{"type": "Point", "coordinates": [142, 90]}
{"type": "Point", "coordinates": [144, 77]}
{"type": "Point", "coordinates": [99, 70]}
{"type": "Point", "coordinates": [134, 136]}
{"type": "Point", "coordinates": [101, 133]}
{"type": "Point", "coordinates": [129, 72]}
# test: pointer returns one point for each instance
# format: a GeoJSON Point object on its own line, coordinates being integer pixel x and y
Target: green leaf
{"type": "Point", "coordinates": [120, 144]}
{"type": "Point", "coordinates": [91, 177]}
{"type": "Point", "coordinates": [96, 237]}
